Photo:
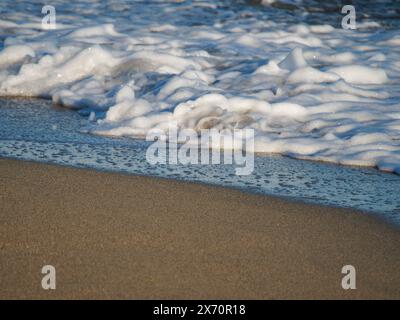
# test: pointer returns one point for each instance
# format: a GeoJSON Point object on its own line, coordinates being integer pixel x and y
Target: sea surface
{"type": "Point", "coordinates": [87, 93]}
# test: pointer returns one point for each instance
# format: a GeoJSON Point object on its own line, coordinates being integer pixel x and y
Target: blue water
{"type": "Point", "coordinates": [35, 130]}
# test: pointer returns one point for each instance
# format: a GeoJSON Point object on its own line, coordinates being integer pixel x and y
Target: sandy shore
{"type": "Point", "coordinates": [118, 236]}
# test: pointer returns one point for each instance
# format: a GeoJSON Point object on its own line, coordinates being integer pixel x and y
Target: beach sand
{"type": "Point", "coordinates": [118, 236]}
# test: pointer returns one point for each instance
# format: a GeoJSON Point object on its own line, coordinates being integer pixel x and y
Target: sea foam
{"type": "Point", "coordinates": [309, 91]}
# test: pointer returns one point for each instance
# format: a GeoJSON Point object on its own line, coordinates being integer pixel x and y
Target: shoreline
{"type": "Point", "coordinates": [114, 235]}
{"type": "Point", "coordinates": [286, 198]}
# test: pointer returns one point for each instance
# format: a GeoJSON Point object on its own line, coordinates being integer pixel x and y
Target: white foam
{"type": "Point", "coordinates": [311, 92]}
{"type": "Point", "coordinates": [15, 53]}
{"type": "Point", "coordinates": [361, 74]}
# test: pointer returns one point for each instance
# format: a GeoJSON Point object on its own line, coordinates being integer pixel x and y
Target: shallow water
{"type": "Point", "coordinates": [35, 130]}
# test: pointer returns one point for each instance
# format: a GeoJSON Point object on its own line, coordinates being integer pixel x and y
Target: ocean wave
{"type": "Point", "coordinates": [309, 91]}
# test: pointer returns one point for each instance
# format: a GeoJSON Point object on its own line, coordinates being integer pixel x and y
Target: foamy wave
{"type": "Point", "coordinates": [312, 92]}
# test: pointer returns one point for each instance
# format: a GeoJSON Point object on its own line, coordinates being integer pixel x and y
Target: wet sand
{"type": "Point", "coordinates": [119, 236]}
